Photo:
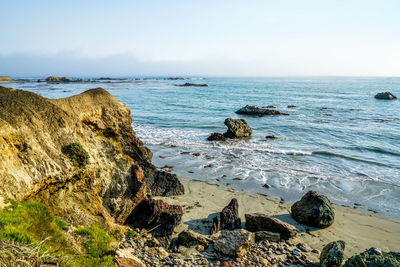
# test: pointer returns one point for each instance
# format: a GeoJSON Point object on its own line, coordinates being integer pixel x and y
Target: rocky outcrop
{"type": "Point", "coordinates": [105, 190]}
{"type": "Point", "coordinates": [261, 222]}
{"type": "Point", "coordinates": [189, 238]}
{"type": "Point", "coordinates": [374, 257]}
{"type": "Point", "coordinates": [237, 128]}
{"type": "Point", "coordinates": [228, 218]}
{"type": "Point", "coordinates": [5, 79]}
{"type": "Point", "coordinates": [234, 243]}
{"type": "Point", "coordinates": [332, 254]}
{"type": "Point", "coordinates": [217, 137]}
{"type": "Point", "coordinates": [193, 85]}
{"type": "Point", "coordinates": [158, 216]}
{"type": "Point", "coordinates": [252, 110]}
{"type": "Point", "coordinates": [385, 96]}
{"type": "Point", "coordinates": [55, 79]}
{"type": "Point", "coordinates": [313, 210]}
{"type": "Point", "coordinates": [265, 235]}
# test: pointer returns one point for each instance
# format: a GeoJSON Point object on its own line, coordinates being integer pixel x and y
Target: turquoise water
{"type": "Point", "coordinates": [338, 140]}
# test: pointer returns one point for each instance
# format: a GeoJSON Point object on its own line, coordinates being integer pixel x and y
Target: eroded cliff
{"type": "Point", "coordinates": [119, 174]}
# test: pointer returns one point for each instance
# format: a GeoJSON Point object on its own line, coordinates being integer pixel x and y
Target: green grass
{"type": "Point", "coordinates": [31, 222]}
{"type": "Point", "coordinates": [77, 154]}
{"type": "Point", "coordinates": [97, 245]}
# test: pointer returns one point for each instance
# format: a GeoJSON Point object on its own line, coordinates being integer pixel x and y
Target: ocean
{"type": "Point", "coordinates": [337, 140]}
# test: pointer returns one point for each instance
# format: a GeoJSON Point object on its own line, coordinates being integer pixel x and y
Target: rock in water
{"type": "Point", "coordinates": [192, 85]}
{"type": "Point", "coordinates": [216, 137]}
{"type": "Point", "coordinates": [234, 243]}
{"type": "Point", "coordinates": [332, 254]}
{"type": "Point", "coordinates": [374, 257]}
{"type": "Point", "coordinates": [237, 128]}
{"type": "Point", "coordinates": [55, 79]}
{"type": "Point", "coordinates": [261, 222]}
{"type": "Point", "coordinates": [385, 96]}
{"type": "Point", "coordinates": [313, 210]}
{"type": "Point", "coordinates": [228, 218]}
{"type": "Point", "coordinates": [252, 110]}
{"type": "Point", "coordinates": [189, 238]}
{"type": "Point", "coordinates": [157, 215]}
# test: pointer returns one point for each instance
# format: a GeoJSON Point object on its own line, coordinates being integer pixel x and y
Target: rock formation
{"type": "Point", "coordinates": [385, 96]}
{"type": "Point", "coordinates": [158, 216]}
{"type": "Point", "coordinates": [189, 238]}
{"type": "Point", "coordinates": [313, 210]}
{"type": "Point", "coordinates": [5, 79]}
{"type": "Point", "coordinates": [216, 137]}
{"type": "Point", "coordinates": [234, 243]}
{"type": "Point", "coordinates": [237, 128]}
{"type": "Point", "coordinates": [55, 79]}
{"type": "Point", "coordinates": [261, 222]}
{"type": "Point", "coordinates": [192, 85]}
{"type": "Point", "coordinates": [374, 257]}
{"type": "Point", "coordinates": [332, 254]}
{"type": "Point", "coordinates": [228, 218]}
{"type": "Point", "coordinates": [33, 134]}
{"type": "Point", "coordinates": [252, 110]}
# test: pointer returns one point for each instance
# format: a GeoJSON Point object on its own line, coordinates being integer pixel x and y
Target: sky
{"type": "Point", "coordinates": [200, 38]}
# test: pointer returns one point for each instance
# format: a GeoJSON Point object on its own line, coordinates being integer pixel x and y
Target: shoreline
{"type": "Point", "coordinates": [360, 229]}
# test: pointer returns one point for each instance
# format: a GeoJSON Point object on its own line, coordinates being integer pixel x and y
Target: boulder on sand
{"type": "Point", "coordinates": [332, 254]}
{"type": "Point", "coordinates": [156, 215]}
{"type": "Point", "coordinates": [237, 128]}
{"type": "Point", "coordinates": [234, 243]}
{"type": "Point", "coordinates": [262, 222]}
{"type": "Point", "coordinates": [313, 210]}
{"type": "Point", "coordinates": [385, 96]}
{"type": "Point", "coordinates": [252, 110]}
{"type": "Point", "coordinates": [228, 218]}
{"type": "Point", "coordinates": [189, 238]}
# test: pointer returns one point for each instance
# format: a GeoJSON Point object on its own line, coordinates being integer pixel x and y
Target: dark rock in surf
{"type": "Point", "coordinates": [385, 96]}
{"type": "Point", "coordinates": [271, 137]}
{"type": "Point", "coordinates": [252, 110]}
{"type": "Point", "coordinates": [237, 128]}
{"type": "Point", "coordinates": [313, 210]}
{"type": "Point", "coordinates": [228, 218]}
{"type": "Point", "coordinates": [216, 137]}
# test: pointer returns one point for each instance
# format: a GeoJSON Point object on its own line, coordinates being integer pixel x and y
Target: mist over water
{"type": "Point", "coordinates": [338, 139]}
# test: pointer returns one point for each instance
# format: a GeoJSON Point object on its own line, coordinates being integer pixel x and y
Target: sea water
{"type": "Point", "coordinates": [337, 140]}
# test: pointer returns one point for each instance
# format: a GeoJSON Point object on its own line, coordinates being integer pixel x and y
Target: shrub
{"type": "Point", "coordinates": [130, 233]}
{"type": "Point", "coordinates": [97, 242]}
{"type": "Point", "coordinates": [77, 154]}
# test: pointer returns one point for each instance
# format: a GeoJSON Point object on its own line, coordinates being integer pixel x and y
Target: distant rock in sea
{"type": "Point", "coordinates": [252, 110]}
{"type": "Point", "coordinates": [385, 96]}
{"type": "Point", "coordinates": [192, 85]}
{"type": "Point", "coordinates": [55, 79]}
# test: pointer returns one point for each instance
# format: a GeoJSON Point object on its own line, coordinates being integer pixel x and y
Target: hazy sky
{"type": "Point", "coordinates": [214, 38]}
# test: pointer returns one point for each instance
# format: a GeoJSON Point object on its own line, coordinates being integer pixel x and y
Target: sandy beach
{"type": "Point", "coordinates": [360, 229]}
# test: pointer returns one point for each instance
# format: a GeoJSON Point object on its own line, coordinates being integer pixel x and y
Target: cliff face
{"type": "Point", "coordinates": [33, 132]}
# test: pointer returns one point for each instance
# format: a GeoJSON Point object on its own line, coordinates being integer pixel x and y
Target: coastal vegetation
{"type": "Point", "coordinates": [30, 232]}
{"type": "Point", "coordinates": [77, 154]}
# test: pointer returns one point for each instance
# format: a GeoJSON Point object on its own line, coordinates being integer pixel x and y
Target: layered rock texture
{"type": "Point", "coordinates": [118, 174]}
